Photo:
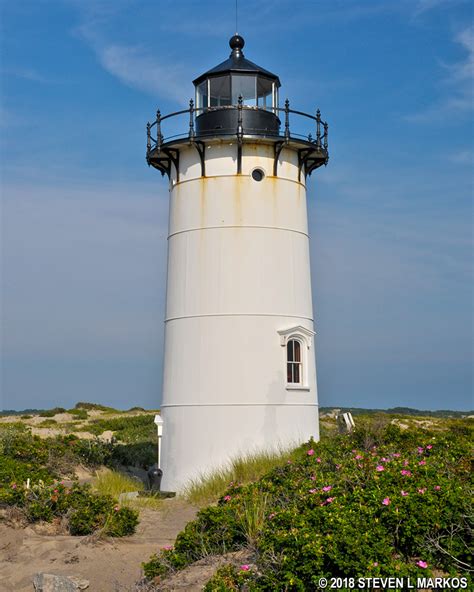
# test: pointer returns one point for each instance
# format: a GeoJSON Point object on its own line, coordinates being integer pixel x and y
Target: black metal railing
{"type": "Point", "coordinates": [156, 140]}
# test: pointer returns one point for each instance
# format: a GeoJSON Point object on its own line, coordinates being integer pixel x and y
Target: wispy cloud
{"type": "Point", "coordinates": [26, 74]}
{"type": "Point", "coordinates": [463, 157]}
{"type": "Point", "coordinates": [423, 6]}
{"type": "Point", "coordinates": [459, 81]}
{"type": "Point", "coordinates": [136, 68]}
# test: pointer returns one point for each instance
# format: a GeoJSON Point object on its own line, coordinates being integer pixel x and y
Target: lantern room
{"type": "Point", "coordinates": [233, 82]}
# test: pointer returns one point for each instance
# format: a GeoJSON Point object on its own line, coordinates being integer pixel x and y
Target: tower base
{"type": "Point", "coordinates": [200, 439]}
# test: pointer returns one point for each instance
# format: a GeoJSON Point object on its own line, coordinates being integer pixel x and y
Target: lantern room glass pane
{"type": "Point", "coordinates": [264, 93]}
{"type": "Point", "coordinates": [220, 91]}
{"type": "Point", "coordinates": [201, 96]}
{"type": "Point", "coordinates": [245, 86]}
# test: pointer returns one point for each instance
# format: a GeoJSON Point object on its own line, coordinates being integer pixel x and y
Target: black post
{"type": "Point", "coordinates": [240, 134]}
{"type": "Point", "coordinates": [325, 136]}
{"type": "Point", "coordinates": [159, 137]}
{"type": "Point", "coordinates": [148, 139]}
{"type": "Point", "coordinates": [191, 119]}
{"type": "Point", "coordinates": [318, 129]}
{"type": "Point", "coordinates": [240, 130]}
{"type": "Point", "coordinates": [287, 120]}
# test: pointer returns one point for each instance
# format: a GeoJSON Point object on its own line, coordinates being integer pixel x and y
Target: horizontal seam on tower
{"type": "Point", "coordinates": [237, 314]}
{"type": "Point", "coordinates": [231, 176]}
{"type": "Point", "coordinates": [239, 226]}
{"type": "Point", "coordinates": [241, 405]}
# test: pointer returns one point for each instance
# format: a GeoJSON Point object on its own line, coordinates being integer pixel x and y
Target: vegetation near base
{"type": "Point", "coordinates": [382, 501]}
{"type": "Point", "coordinates": [31, 470]}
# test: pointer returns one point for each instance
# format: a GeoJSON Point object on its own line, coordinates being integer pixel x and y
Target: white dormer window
{"type": "Point", "coordinates": [296, 342]}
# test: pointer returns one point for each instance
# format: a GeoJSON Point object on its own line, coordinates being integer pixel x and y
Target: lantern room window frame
{"type": "Point", "coordinates": [203, 98]}
{"type": "Point", "coordinates": [304, 337]}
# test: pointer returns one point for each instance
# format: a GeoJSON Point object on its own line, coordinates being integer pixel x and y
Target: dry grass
{"type": "Point", "coordinates": [108, 482]}
{"type": "Point", "coordinates": [244, 469]}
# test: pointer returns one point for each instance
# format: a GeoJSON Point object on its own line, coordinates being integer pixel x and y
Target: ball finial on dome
{"type": "Point", "coordinates": [236, 43]}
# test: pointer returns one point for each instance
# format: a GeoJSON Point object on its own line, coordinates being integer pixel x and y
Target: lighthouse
{"type": "Point", "coordinates": [239, 353]}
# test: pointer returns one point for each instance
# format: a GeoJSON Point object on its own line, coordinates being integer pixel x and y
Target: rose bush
{"type": "Point", "coordinates": [383, 502]}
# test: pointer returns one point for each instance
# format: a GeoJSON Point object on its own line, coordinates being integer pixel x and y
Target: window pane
{"type": "Point", "coordinates": [220, 91]}
{"type": "Point", "coordinates": [296, 373]}
{"type": "Point", "coordinates": [245, 86]}
{"type": "Point", "coordinates": [290, 351]}
{"type": "Point", "coordinates": [297, 347]}
{"type": "Point", "coordinates": [289, 373]}
{"type": "Point", "coordinates": [264, 93]}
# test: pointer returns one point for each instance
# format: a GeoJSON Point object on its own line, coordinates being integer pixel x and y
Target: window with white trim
{"type": "Point", "coordinates": [296, 342]}
{"type": "Point", "coordinates": [294, 364]}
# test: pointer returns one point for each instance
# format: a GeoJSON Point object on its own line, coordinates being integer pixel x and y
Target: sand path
{"type": "Point", "coordinates": [110, 565]}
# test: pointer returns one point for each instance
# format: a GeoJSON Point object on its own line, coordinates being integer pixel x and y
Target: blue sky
{"type": "Point", "coordinates": [84, 220]}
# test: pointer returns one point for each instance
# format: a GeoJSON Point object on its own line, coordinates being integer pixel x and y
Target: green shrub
{"type": "Point", "coordinates": [85, 511]}
{"type": "Point", "coordinates": [373, 503]}
{"type": "Point", "coordinates": [100, 512]}
{"type": "Point", "coordinates": [52, 412]}
{"type": "Point", "coordinates": [229, 578]}
{"type": "Point", "coordinates": [48, 423]}
{"type": "Point", "coordinates": [94, 407]}
{"type": "Point", "coordinates": [78, 413]}
{"type": "Point", "coordinates": [130, 429]}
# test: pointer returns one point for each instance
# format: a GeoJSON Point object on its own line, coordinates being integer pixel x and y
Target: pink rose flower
{"type": "Point", "coordinates": [14, 485]}
{"type": "Point", "coordinates": [313, 491]}
{"type": "Point", "coordinates": [245, 567]}
{"type": "Point", "coordinates": [429, 447]}
{"type": "Point", "coordinates": [227, 498]}
{"type": "Point", "coordinates": [422, 462]}
{"type": "Point", "coordinates": [310, 452]}
{"type": "Point", "coordinates": [404, 493]}
{"type": "Point", "coordinates": [405, 472]}
{"type": "Point", "coordinates": [422, 564]}
{"type": "Point", "coordinates": [396, 454]}
{"type": "Point", "coordinates": [386, 501]}
{"type": "Point", "coordinates": [405, 463]}
{"type": "Point", "coordinates": [437, 487]}
{"type": "Point", "coordinates": [422, 490]}
{"type": "Point", "coordinates": [318, 459]}
{"type": "Point", "coordinates": [327, 488]}
{"type": "Point", "coordinates": [359, 456]}
{"type": "Point", "coordinates": [375, 563]}
{"type": "Point", "coordinates": [167, 548]}
{"type": "Point", "coordinates": [420, 450]}
{"type": "Point", "coordinates": [380, 468]}
{"type": "Point", "coordinates": [330, 500]}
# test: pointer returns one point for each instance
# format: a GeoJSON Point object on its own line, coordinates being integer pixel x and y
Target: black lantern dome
{"type": "Point", "coordinates": [237, 80]}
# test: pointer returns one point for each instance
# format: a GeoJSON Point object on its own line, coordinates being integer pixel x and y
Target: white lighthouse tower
{"type": "Point", "coordinates": [239, 361]}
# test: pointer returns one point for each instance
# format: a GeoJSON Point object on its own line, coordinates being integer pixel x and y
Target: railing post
{"type": "Point", "coordinates": [159, 137]}
{"type": "Point", "coordinates": [148, 138]}
{"type": "Point", "coordinates": [191, 119]}
{"type": "Point", "coordinates": [318, 129]}
{"type": "Point", "coordinates": [287, 120]}
{"type": "Point", "coordinates": [325, 136]}
{"type": "Point", "coordinates": [240, 129]}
